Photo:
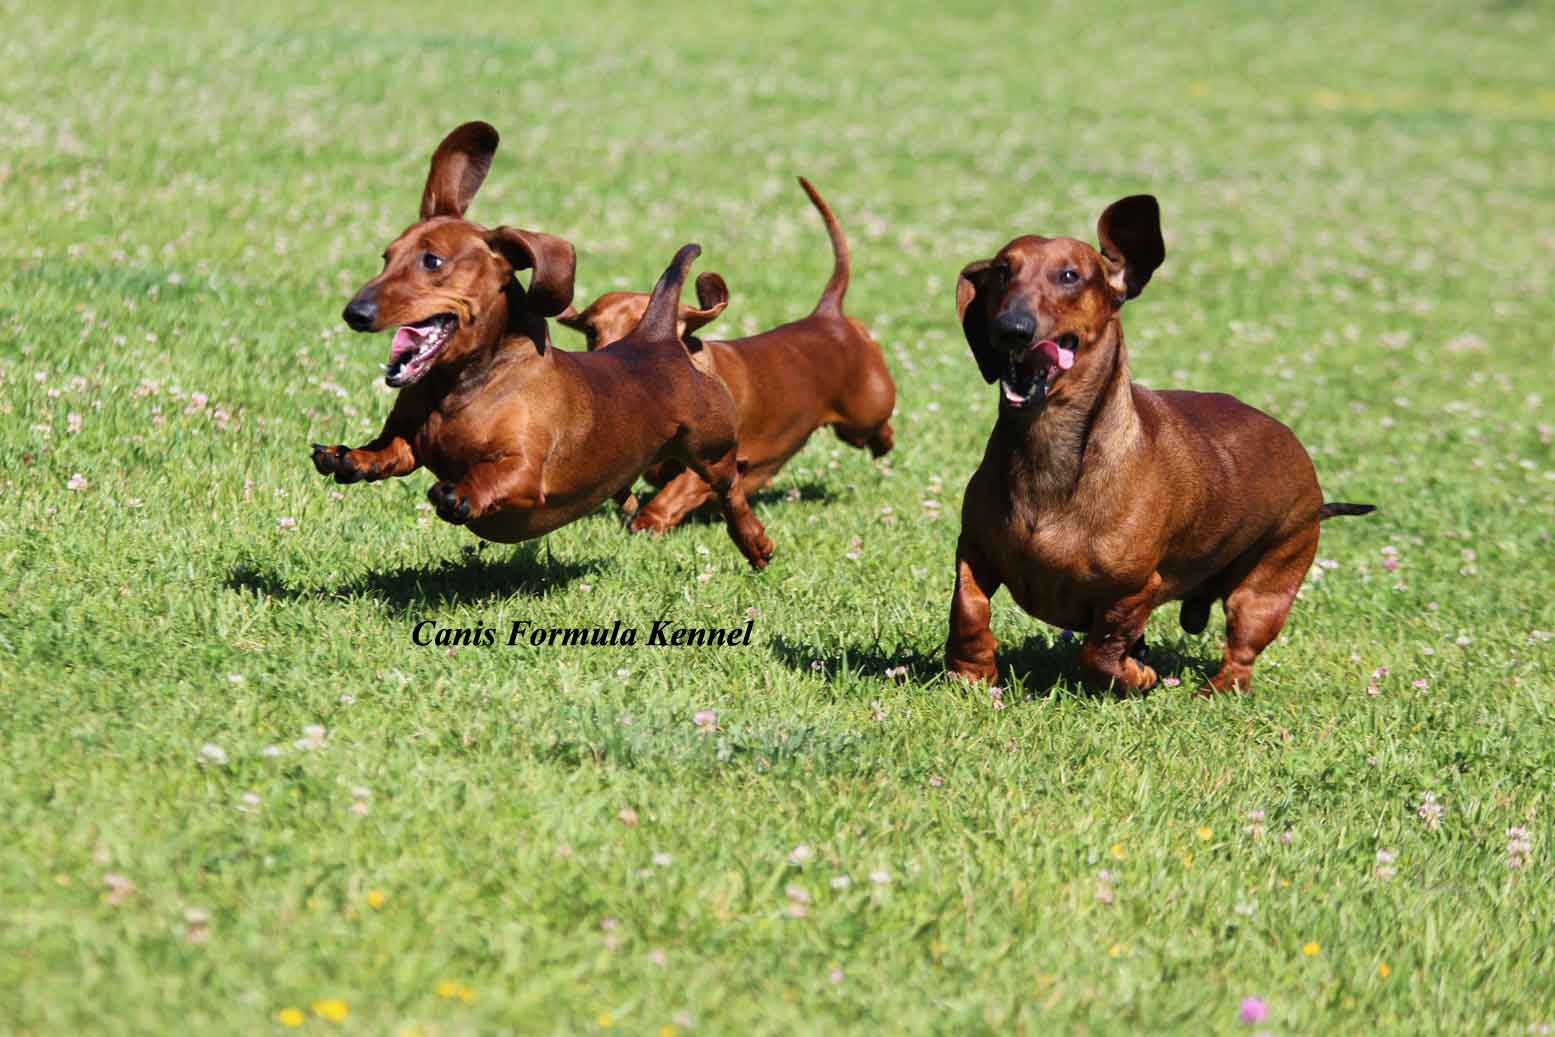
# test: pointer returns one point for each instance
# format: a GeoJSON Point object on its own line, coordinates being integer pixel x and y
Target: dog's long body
{"type": "Point", "coordinates": [821, 370]}
{"type": "Point", "coordinates": [522, 437]}
{"type": "Point", "coordinates": [1098, 500]}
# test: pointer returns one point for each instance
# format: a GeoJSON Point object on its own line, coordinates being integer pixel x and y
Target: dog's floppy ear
{"type": "Point", "coordinates": [459, 165]}
{"type": "Point", "coordinates": [571, 318]}
{"type": "Point", "coordinates": [1131, 245]}
{"type": "Point", "coordinates": [552, 258]}
{"type": "Point", "coordinates": [712, 297]}
{"type": "Point", "coordinates": [974, 319]}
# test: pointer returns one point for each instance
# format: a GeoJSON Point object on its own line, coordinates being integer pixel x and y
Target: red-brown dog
{"type": "Point", "coordinates": [523, 437]}
{"type": "Point", "coordinates": [821, 370]}
{"type": "Point", "coordinates": [1098, 500]}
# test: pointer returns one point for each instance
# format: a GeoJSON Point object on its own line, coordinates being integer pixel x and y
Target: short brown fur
{"type": "Point", "coordinates": [1102, 500]}
{"type": "Point", "coordinates": [823, 369]}
{"type": "Point", "coordinates": [524, 438]}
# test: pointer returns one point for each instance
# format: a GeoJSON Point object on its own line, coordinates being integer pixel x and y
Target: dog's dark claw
{"type": "Point", "coordinates": [451, 506]}
{"type": "Point", "coordinates": [323, 459]}
{"type": "Point", "coordinates": [336, 461]}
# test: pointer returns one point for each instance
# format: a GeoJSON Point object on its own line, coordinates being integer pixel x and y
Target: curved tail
{"type": "Point", "coordinates": [658, 320]}
{"type": "Point", "coordinates": [837, 287]}
{"type": "Point", "coordinates": [1333, 508]}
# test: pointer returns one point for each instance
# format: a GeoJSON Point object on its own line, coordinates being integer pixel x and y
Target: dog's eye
{"type": "Point", "coordinates": [1069, 275]}
{"type": "Point", "coordinates": [431, 260]}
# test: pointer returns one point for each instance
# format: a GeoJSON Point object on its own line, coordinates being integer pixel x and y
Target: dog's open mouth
{"type": "Point", "coordinates": [1031, 373]}
{"type": "Point", "coordinates": [415, 346]}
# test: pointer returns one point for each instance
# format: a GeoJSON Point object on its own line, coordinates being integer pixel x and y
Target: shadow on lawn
{"type": "Point", "coordinates": [1037, 666]}
{"type": "Point", "coordinates": [812, 492]}
{"type": "Point", "coordinates": [473, 576]}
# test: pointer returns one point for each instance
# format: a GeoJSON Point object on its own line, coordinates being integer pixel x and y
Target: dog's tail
{"type": "Point", "coordinates": [1333, 508]}
{"type": "Point", "coordinates": [658, 320]}
{"type": "Point", "coordinates": [837, 287]}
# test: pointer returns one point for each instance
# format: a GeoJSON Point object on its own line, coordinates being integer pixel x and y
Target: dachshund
{"type": "Point", "coordinates": [523, 437]}
{"type": "Point", "coordinates": [1098, 500]}
{"type": "Point", "coordinates": [823, 369]}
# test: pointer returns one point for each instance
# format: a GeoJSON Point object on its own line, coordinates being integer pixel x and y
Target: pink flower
{"type": "Point", "coordinates": [1253, 1011]}
{"type": "Point", "coordinates": [1431, 811]}
{"type": "Point", "coordinates": [706, 721]}
{"type": "Point", "coordinates": [1519, 846]}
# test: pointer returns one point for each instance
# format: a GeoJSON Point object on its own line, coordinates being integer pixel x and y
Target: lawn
{"type": "Point", "coordinates": [239, 799]}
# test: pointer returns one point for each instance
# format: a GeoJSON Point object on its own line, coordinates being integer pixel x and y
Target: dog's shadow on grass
{"type": "Point", "coordinates": [476, 575]}
{"type": "Point", "coordinates": [1040, 666]}
{"type": "Point", "coordinates": [811, 492]}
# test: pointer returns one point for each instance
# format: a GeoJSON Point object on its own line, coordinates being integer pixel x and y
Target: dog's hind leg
{"type": "Point", "coordinates": [1257, 606]}
{"type": "Point", "coordinates": [680, 497]}
{"type": "Point", "coordinates": [878, 439]}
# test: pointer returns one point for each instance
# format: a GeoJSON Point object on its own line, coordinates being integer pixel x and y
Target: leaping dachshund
{"type": "Point", "coordinates": [522, 437]}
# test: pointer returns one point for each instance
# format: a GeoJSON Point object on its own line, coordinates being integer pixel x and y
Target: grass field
{"type": "Point", "coordinates": [1360, 225]}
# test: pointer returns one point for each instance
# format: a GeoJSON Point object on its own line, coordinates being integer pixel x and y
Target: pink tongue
{"type": "Point", "coordinates": [406, 340]}
{"type": "Point", "coordinates": [1057, 355]}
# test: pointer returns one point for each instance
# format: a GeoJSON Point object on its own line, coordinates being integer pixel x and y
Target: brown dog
{"type": "Point", "coordinates": [1098, 500]}
{"type": "Point", "coordinates": [523, 437]}
{"type": "Point", "coordinates": [821, 370]}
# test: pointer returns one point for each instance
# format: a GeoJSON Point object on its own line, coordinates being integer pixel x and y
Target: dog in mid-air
{"type": "Point", "coordinates": [521, 437]}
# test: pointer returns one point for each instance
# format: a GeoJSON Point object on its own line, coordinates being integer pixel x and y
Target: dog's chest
{"type": "Point", "coordinates": [450, 444]}
{"type": "Point", "coordinates": [1060, 568]}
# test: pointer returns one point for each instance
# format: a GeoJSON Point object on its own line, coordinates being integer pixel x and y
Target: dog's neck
{"type": "Point", "coordinates": [1085, 435]}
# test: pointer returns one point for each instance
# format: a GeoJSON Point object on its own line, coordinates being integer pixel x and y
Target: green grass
{"type": "Point", "coordinates": [1358, 210]}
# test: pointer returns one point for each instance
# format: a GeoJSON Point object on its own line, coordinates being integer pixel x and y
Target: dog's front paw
{"type": "Point", "coordinates": [326, 459]}
{"type": "Point", "coordinates": [1136, 676]}
{"type": "Point", "coordinates": [452, 506]}
{"type": "Point", "coordinates": [647, 520]}
{"type": "Point", "coordinates": [630, 506]}
{"type": "Point", "coordinates": [761, 550]}
{"type": "Point", "coordinates": [336, 461]}
{"type": "Point", "coordinates": [969, 671]}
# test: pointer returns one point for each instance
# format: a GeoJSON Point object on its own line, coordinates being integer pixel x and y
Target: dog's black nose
{"type": "Point", "coordinates": [361, 313]}
{"type": "Point", "coordinates": [1014, 329]}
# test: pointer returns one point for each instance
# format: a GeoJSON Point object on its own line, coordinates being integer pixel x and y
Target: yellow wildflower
{"type": "Point", "coordinates": [332, 1008]}
{"type": "Point", "coordinates": [1205, 833]}
{"type": "Point", "coordinates": [1383, 970]}
{"type": "Point", "coordinates": [1311, 948]}
{"type": "Point", "coordinates": [1117, 850]}
{"type": "Point", "coordinates": [604, 1021]}
{"type": "Point", "coordinates": [452, 989]}
{"type": "Point", "coordinates": [291, 1017]}
{"type": "Point", "coordinates": [375, 898]}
